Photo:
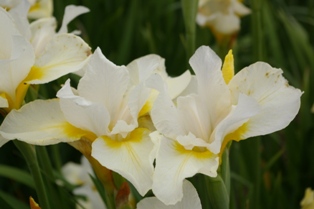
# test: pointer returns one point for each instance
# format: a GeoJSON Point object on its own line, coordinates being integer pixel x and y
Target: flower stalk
{"type": "Point", "coordinates": [29, 155]}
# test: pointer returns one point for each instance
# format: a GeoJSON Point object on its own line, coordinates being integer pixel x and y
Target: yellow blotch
{"type": "Point", "coordinates": [236, 136]}
{"type": "Point", "coordinates": [116, 141]}
{"type": "Point", "coordinates": [74, 132]}
{"type": "Point", "coordinates": [197, 152]}
{"type": "Point", "coordinates": [149, 103]}
{"type": "Point", "coordinates": [146, 108]}
{"type": "Point", "coordinates": [34, 7]}
{"type": "Point", "coordinates": [228, 67]}
{"type": "Point", "coordinates": [35, 73]}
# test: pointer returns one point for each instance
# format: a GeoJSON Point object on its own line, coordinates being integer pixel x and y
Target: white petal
{"type": "Point", "coordinates": [191, 88]}
{"type": "Point", "coordinates": [194, 114]}
{"type": "Point", "coordinates": [190, 200]}
{"type": "Point", "coordinates": [70, 13]}
{"type": "Point", "coordinates": [166, 118]}
{"type": "Point", "coordinates": [6, 21]}
{"type": "Point", "coordinates": [3, 101]}
{"type": "Point", "coordinates": [14, 70]}
{"type": "Point", "coordinates": [41, 123]}
{"type": "Point", "coordinates": [211, 85]}
{"type": "Point", "coordinates": [64, 54]}
{"type": "Point", "coordinates": [174, 164]}
{"type": "Point", "coordinates": [19, 14]}
{"type": "Point", "coordinates": [128, 157]}
{"type": "Point", "coordinates": [42, 31]}
{"type": "Point", "coordinates": [246, 108]}
{"type": "Point", "coordinates": [105, 83]}
{"type": "Point", "coordinates": [83, 113]}
{"type": "Point", "coordinates": [140, 69]}
{"type": "Point", "coordinates": [178, 84]}
{"type": "Point", "coordinates": [190, 141]}
{"type": "Point", "coordinates": [279, 102]}
{"type": "Point", "coordinates": [138, 97]}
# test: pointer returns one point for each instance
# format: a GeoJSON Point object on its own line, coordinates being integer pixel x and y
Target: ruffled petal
{"type": "Point", "coordinates": [166, 117]}
{"type": "Point", "coordinates": [174, 164]}
{"type": "Point", "coordinates": [41, 123]}
{"type": "Point", "coordinates": [279, 102]}
{"type": "Point", "coordinates": [140, 69]}
{"type": "Point", "coordinates": [106, 84]}
{"type": "Point", "coordinates": [83, 113]}
{"type": "Point", "coordinates": [211, 85]}
{"type": "Point", "coordinates": [128, 157]}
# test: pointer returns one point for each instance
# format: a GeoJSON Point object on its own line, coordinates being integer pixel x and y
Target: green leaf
{"type": "Point", "coordinates": [17, 175]}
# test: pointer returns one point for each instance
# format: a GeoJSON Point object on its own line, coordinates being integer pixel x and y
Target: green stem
{"type": "Point", "coordinates": [217, 193]}
{"type": "Point", "coordinates": [189, 8]}
{"type": "Point", "coordinates": [225, 169]}
{"type": "Point", "coordinates": [29, 154]}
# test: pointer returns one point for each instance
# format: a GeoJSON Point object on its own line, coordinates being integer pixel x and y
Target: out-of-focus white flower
{"type": "Point", "coordinates": [190, 200]}
{"type": "Point", "coordinates": [222, 16]}
{"type": "Point", "coordinates": [80, 174]}
{"type": "Point", "coordinates": [220, 107]}
{"type": "Point", "coordinates": [308, 199]}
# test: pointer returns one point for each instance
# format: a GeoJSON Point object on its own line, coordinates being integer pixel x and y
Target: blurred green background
{"type": "Point", "coordinates": [266, 172]}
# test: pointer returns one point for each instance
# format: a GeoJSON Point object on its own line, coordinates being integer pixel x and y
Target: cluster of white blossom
{"type": "Point", "coordinates": [152, 129]}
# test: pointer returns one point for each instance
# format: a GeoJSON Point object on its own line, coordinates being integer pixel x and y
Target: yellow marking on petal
{"type": "Point", "coordinates": [20, 93]}
{"type": "Point", "coordinates": [35, 73]}
{"type": "Point", "coordinates": [146, 108]}
{"type": "Point", "coordinates": [136, 136]}
{"type": "Point", "coordinates": [228, 67]}
{"type": "Point", "coordinates": [197, 152]}
{"type": "Point", "coordinates": [74, 132]}
{"type": "Point", "coordinates": [237, 135]}
{"type": "Point", "coordinates": [149, 103]}
{"type": "Point", "coordinates": [34, 7]}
